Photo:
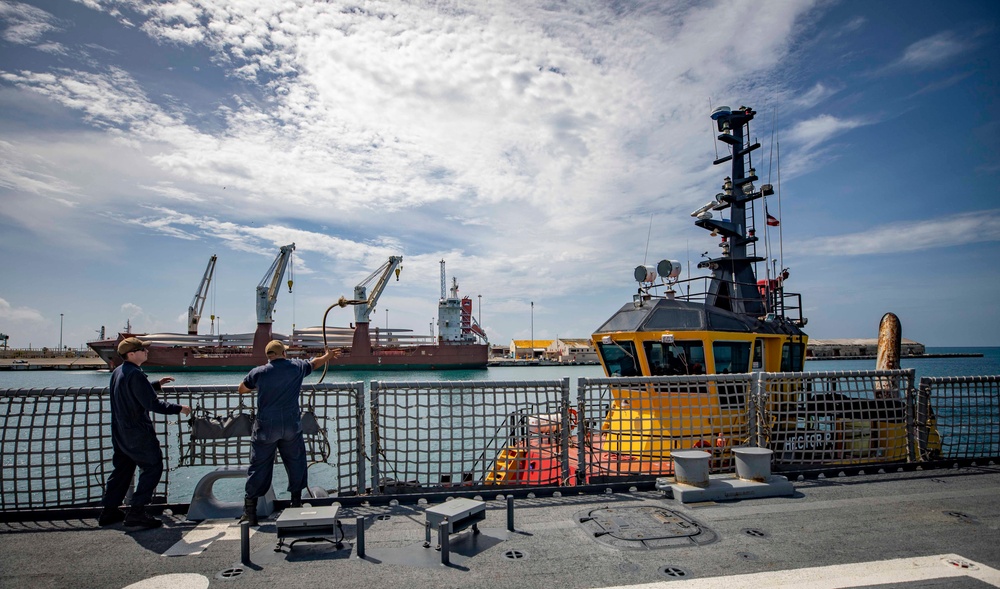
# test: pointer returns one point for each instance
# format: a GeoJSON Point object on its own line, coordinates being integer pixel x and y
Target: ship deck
{"type": "Point", "coordinates": [920, 528]}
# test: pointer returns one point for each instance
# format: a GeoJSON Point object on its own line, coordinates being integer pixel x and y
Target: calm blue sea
{"type": "Point", "coordinates": [987, 364]}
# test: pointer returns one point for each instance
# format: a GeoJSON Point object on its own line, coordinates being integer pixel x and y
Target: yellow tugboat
{"type": "Point", "coordinates": [709, 336]}
{"type": "Point", "coordinates": [726, 323]}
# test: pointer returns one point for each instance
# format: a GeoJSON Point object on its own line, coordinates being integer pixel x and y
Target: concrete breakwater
{"type": "Point", "coordinates": [904, 356]}
{"type": "Point", "coordinates": [78, 363]}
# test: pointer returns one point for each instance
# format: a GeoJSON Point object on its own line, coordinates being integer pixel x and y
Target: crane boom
{"type": "Point", "coordinates": [365, 302]}
{"type": "Point", "coordinates": [198, 303]}
{"type": "Point", "coordinates": [267, 290]}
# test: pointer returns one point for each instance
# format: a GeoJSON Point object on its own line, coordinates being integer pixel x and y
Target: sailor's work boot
{"type": "Point", "coordinates": [138, 518]}
{"type": "Point", "coordinates": [296, 499]}
{"type": "Point", "coordinates": [109, 516]}
{"type": "Point", "coordinates": [250, 512]}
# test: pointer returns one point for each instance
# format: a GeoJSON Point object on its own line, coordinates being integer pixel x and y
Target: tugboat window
{"type": "Point", "coordinates": [792, 357]}
{"type": "Point", "coordinates": [619, 358]}
{"type": "Point", "coordinates": [720, 322]}
{"type": "Point", "coordinates": [672, 318]}
{"type": "Point", "coordinates": [682, 357]}
{"type": "Point", "coordinates": [731, 357]}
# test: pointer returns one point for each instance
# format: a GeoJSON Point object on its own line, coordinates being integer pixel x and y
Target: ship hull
{"type": "Point", "coordinates": [202, 359]}
{"type": "Point", "coordinates": [467, 357]}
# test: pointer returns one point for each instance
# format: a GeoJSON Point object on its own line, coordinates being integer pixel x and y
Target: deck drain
{"type": "Point", "coordinates": [230, 573]}
{"type": "Point", "coordinates": [383, 517]}
{"type": "Point", "coordinates": [754, 533]}
{"type": "Point", "coordinates": [515, 555]}
{"type": "Point", "coordinates": [672, 571]}
{"type": "Point", "coordinates": [643, 528]}
{"type": "Point", "coordinates": [962, 564]}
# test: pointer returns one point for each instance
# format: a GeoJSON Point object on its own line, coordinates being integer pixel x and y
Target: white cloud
{"type": "Point", "coordinates": [18, 314]}
{"type": "Point", "coordinates": [524, 142]}
{"type": "Point", "coordinates": [933, 51]}
{"type": "Point", "coordinates": [817, 130]}
{"type": "Point", "coordinates": [910, 236]}
{"type": "Point", "coordinates": [815, 95]}
{"type": "Point", "coordinates": [414, 107]}
{"type": "Point", "coordinates": [168, 190]}
{"type": "Point", "coordinates": [25, 24]}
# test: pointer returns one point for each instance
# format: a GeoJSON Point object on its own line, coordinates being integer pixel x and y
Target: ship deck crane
{"type": "Point", "coordinates": [364, 302]}
{"type": "Point", "coordinates": [267, 290]}
{"type": "Point", "coordinates": [198, 303]}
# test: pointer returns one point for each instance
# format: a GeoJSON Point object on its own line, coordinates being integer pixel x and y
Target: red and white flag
{"type": "Point", "coordinates": [772, 221]}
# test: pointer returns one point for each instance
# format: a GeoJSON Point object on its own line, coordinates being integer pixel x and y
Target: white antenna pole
{"type": "Point", "coordinates": [781, 245]}
{"type": "Point", "coordinates": [687, 246]}
{"type": "Point", "coordinates": [649, 233]}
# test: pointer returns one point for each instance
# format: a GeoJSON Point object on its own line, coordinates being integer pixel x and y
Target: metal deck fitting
{"type": "Point", "coordinates": [308, 524]}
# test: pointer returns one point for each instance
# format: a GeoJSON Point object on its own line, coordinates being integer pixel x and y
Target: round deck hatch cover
{"type": "Point", "coordinates": [649, 527]}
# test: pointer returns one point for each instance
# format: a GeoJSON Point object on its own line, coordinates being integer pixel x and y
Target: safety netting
{"type": "Point", "coordinates": [56, 443]}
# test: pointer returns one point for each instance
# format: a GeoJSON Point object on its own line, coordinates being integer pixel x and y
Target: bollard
{"type": "Point", "coordinates": [443, 541]}
{"type": "Point", "coordinates": [753, 464]}
{"type": "Point", "coordinates": [245, 543]}
{"type": "Point", "coordinates": [691, 467]}
{"type": "Point", "coordinates": [510, 513]}
{"type": "Point", "coordinates": [361, 536]}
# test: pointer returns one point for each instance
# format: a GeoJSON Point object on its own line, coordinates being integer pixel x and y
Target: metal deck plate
{"type": "Point", "coordinates": [643, 528]}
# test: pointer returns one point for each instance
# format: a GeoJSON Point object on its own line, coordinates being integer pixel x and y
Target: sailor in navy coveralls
{"type": "Point", "coordinates": [278, 426]}
{"type": "Point", "coordinates": [133, 438]}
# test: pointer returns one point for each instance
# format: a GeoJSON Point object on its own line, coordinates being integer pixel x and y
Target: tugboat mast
{"type": "Point", "coordinates": [734, 285]}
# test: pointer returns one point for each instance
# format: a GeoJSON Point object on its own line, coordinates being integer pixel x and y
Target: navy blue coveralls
{"type": "Point", "coordinates": [132, 436]}
{"type": "Point", "coordinates": [278, 425]}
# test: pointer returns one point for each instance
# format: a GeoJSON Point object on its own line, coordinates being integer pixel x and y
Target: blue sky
{"type": "Point", "coordinates": [543, 149]}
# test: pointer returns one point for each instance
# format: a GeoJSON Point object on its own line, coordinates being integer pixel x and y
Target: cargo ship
{"type": "Point", "coordinates": [460, 344]}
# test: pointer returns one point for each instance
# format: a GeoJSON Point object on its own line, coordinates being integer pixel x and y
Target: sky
{"type": "Point", "coordinates": [543, 149]}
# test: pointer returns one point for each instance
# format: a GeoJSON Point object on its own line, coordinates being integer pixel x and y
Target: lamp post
{"type": "Point", "coordinates": [480, 310]}
{"type": "Point", "coordinates": [60, 331]}
{"type": "Point", "coordinates": [532, 330]}
{"type": "Point", "coordinates": [387, 321]}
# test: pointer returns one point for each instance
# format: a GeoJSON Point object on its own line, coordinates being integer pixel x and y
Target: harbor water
{"type": "Point", "coordinates": [964, 365]}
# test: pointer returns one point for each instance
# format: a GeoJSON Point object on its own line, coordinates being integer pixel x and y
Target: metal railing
{"type": "Point", "coordinates": [422, 437]}
{"type": "Point", "coordinates": [56, 449]}
{"type": "Point", "coordinates": [963, 412]}
{"type": "Point", "coordinates": [443, 434]}
{"type": "Point", "coordinates": [819, 420]}
{"type": "Point", "coordinates": [631, 425]}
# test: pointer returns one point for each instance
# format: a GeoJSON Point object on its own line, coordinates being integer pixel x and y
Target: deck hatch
{"type": "Point", "coordinates": [643, 527]}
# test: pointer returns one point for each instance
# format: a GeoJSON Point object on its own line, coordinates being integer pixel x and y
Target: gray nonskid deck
{"type": "Point", "coordinates": [920, 516]}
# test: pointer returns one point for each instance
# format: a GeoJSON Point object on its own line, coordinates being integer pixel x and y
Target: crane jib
{"type": "Point", "coordinates": [267, 290]}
